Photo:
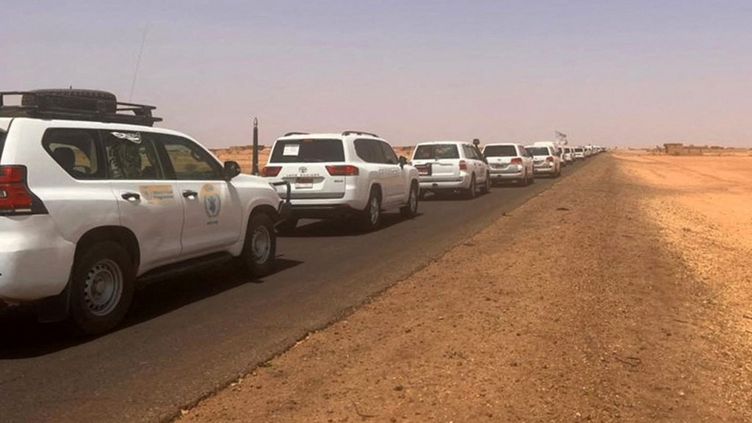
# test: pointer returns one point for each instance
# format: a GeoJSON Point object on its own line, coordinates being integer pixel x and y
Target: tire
{"type": "Point", "coordinates": [101, 288]}
{"type": "Point", "coordinates": [370, 217]}
{"type": "Point", "coordinates": [260, 248]}
{"type": "Point", "coordinates": [91, 100]}
{"type": "Point", "coordinates": [411, 209]}
{"type": "Point", "coordinates": [486, 188]}
{"type": "Point", "coordinates": [471, 191]}
{"type": "Point", "coordinates": [287, 226]}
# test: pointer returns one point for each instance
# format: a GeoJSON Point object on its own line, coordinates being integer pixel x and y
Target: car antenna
{"type": "Point", "coordinates": [138, 61]}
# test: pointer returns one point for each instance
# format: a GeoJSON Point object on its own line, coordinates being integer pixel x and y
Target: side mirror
{"type": "Point", "coordinates": [402, 161]}
{"type": "Point", "coordinates": [232, 169]}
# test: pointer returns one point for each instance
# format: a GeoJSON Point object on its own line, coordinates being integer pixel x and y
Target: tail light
{"type": "Point", "coordinates": [463, 165]}
{"type": "Point", "coordinates": [549, 159]}
{"type": "Point", "coordinates": [15, 196]}
{"type": "Point", "coordinates": [343, 170]}
{"type": "Point", "coordinates": [271, 171]}
{"type": "Point", "coordinates": [517, 161]}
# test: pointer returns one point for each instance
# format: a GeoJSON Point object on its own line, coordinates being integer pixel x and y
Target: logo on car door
{"type": "Point", "coordinates": [212, 200]}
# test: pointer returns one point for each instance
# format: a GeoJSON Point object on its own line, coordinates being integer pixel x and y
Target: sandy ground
{"type": "Point", "coordinates": [623, 293]}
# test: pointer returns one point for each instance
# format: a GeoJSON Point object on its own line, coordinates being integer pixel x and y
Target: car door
{"type": "Point", "coordinates": [472, 161]}
{"type": "Point", "coordinates": [212, 211]}
{"type": "Point", "coordinates": [482, 162]}
{"type": "Point", "coordinates": [148, 203]}
{"type": "Point", "coordinates": [397, 180]}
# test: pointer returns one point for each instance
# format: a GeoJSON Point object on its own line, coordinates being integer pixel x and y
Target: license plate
{"type": "Point", "coordinates": [498, 166]}
{"type": "Point", "coordinates": [303, 183]}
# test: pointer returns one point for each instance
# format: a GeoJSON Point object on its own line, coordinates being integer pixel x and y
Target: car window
{"type": "Point", "coordinates": [130, 155]}
{"type": "Point", "coordinates": [369, 151]}
{"type": "Point", "coordinates": [2, 142]}
{"type": "Point", "coordinates": [308, 151]}
{"type": "Point", "coordinates": [389, 155]}
{"type": "Point", "coordinates": [436, 151]}
{"type": "Point", "coordinates": [500, 151]}
{"type": "Point", "coordinates": [538, 151]}
{"type": "Point", "coordinates": [189, 161]}
{"type": "Point", "coordinates": [75, 150]}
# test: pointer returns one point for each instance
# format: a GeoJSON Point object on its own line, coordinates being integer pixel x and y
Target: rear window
{"type": "Point", "coordinates": [538, 151]}
{"type": "Point", "coordinates": [500, 151]}
{"type": "Point", "coordinates": [308, 151]}
{"type": "Point", "coordinates": [76, 151]}
{"type": "Point", "coordinates": [578, 150]}
{"type": "Point", "coordinates": [436, 151]}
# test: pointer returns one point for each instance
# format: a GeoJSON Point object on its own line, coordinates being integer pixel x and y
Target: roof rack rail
{"type": "Point", "coordinates": [296, 133]}
{"type": "Point", "coordinates": [346, 133]}
{"type": "Point", "coordinates": [87, 105]}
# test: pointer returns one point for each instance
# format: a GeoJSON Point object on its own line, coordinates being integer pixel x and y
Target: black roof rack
{"type": "Point", "coordinates": [346, 133]}
{"type": "Point", "coordinates": [296, 133]}
{"type": "Point", "coordinates": [87, 105]}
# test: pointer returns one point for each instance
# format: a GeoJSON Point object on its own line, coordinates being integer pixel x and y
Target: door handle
{"type": "Point", "coordinates": [190, 194]}
{"type": "Point", "coordinates": [131, 196]}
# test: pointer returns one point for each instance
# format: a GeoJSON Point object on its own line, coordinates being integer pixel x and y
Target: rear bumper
{"type": "Point", "coordinates": [435, 183]}
{"type": "Point", "coordinates": [35, 261]}
{"type": "Point", "coordinates": [506, 176]}
{"type": "Point", "coordinates": [544, 170]}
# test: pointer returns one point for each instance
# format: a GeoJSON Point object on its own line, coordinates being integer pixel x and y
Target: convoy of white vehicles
{"type": "Point", "coordinates": [94, 200]}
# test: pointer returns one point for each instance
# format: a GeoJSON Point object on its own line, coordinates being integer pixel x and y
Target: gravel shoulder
{"type": "Point", "coordinates": [620, 293]}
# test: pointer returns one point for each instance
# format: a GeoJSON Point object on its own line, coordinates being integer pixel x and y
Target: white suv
{"type": "Point", "coordinates": [451, 166]}
{"type": "Point", "coordinates": [545, 160]}
{"type": "Point", "coordinates": [94, 201]}
{"type": "Point", "coordinates": [509, 162]}
{"type": "Point", "coordinates": [351, 173]}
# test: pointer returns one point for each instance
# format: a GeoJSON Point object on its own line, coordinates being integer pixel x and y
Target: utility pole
{"type": "Point", "coordinates": [255, 168]}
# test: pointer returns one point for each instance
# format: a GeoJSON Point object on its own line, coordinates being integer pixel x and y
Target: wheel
{"type": "Point", "coordinates": [411, 209]}
{"type": "Point", "coordinates": [471, 190]}
{"type": "Point", "coordinates": [287, 226]}
{"type": "Point", "coordinates": [101, 288]}
{"type": "Point", "coordinates": [486, 188]}
{"type": "Point", "coordinates": [260, 246]}
{"type": "Point", "coordinates": [371, 216]}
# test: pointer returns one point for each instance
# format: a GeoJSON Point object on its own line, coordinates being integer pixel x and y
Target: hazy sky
{"type": "Point", "coordinates": [609, 72]}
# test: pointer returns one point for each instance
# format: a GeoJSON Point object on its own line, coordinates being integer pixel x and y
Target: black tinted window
{"type": "Point", "coordinates": [389, 156]}
{"type": "Point", "coordinates": [188, 161]}
{"type": "Point", "coordinates": [308, 151]}
{"type": "Point", "coordinates": [436, 151]}
{"type": "Point", "coordinates": [75, 150]}
{"type": "Point", "coordinates": [538, 151]}
{"type": "Point", "coordinates": [2, 142]}
{"type": "Point", "coordinates": [500, 151]}
{"type": "Point", "coordinates": [130, 155]}
{"type": "Point", "coordinates": [369, 151]}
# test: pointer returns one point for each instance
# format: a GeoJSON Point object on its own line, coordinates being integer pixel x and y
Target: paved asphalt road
{"type": "Point", "coordinates": [188, 337]}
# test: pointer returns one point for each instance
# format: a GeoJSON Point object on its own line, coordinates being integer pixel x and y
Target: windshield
{"type": "Point", "coordinates": [436, 151]}
{"type": "Point", "coordinates": [500, 151]}
{"type": "Point", "coordinates": [308, 151]}
{"type": "Point", "coordinates": [538, 151]}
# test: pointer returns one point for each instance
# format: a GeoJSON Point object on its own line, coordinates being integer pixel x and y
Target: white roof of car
{"type": "Point", "coordinates": [504, 143]}
{"type": "Point", "coordinates": [326, 135]}
{"type": "Point", "coordinates": [87, 124]}
{"type": "Point", "coordinates": [441, 142]}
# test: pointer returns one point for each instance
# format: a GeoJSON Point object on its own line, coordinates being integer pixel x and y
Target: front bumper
{"type": "Point", "coordinates": [35, 261]}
